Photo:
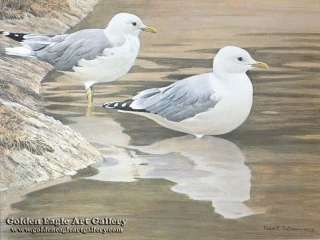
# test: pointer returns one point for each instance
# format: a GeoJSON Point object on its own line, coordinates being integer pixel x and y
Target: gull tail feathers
{"type": "Point", "coordinates": [17, 51]}
{"type": "Point", "coordinates": [30, 43]}
{"type": "Point", "coordinates": [20, 51]}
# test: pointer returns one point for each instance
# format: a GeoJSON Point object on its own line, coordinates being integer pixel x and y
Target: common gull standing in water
{"type": "Point", "coordinates": [208, 104]}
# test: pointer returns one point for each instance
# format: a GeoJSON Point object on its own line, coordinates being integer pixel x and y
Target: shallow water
{"type": "Point", "coordinates": [172, 186]}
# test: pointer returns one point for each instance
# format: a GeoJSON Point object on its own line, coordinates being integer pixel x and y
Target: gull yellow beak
{"type": "Point", "coordinates": [261, 65]}
{"type": "Point", "coordinates": [149, 29]}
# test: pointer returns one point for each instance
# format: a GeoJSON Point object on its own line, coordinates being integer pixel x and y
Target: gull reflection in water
{"type": "Point", "coordinates": [206, 169]}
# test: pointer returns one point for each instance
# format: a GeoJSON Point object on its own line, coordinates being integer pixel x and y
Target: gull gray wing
{"type": "Point", "coordinates": [64, 51]}
{"type": "Point", "coordinates": [179, 101]}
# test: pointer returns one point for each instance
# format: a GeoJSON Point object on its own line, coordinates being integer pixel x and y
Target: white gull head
{"type": "Point", "coordinates": [125, 23]}
{"type": "Point", "coordinates": [234, 60]}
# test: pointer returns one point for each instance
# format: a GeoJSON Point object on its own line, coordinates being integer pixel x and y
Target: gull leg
{"type": "Point", "coordinates": [90, 96]}
{"type": "Point", "coordinates": [90, 100]}
{"type": "Point", "coordinates": [89, 111]}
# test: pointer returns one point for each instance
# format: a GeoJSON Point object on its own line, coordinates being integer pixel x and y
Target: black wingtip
{"type": "Point", "coordinates": [19, 37]}
{"type": "Point", "coordinates": [110, 105]}
{"type": "Point", "coordinates": [123, 106]}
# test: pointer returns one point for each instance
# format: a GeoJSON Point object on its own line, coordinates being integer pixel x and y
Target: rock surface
{"type": "Point", "coordinates": [20, 78]}
{"type": "Point", "coordinates": [35, 147]}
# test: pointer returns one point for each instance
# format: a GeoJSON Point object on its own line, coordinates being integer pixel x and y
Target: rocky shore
{"type": "Point", "coordinates": [35, 147]}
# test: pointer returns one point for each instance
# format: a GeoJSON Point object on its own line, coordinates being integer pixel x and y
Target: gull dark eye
{"type": "Point", "coordinates": [240, 59]}
{"type": "Point", "coordinates": [134, 23]}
